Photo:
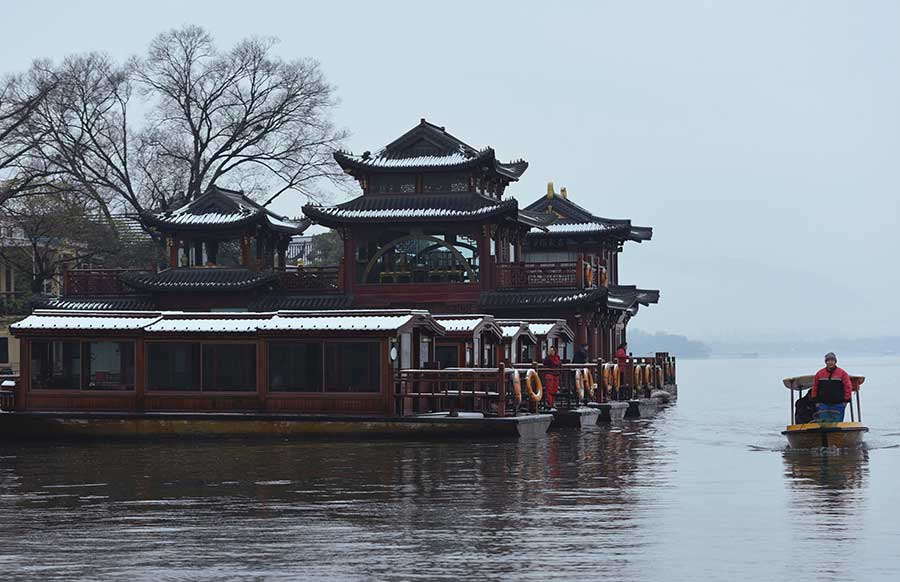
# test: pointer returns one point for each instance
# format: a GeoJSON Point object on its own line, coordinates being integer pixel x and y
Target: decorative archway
{"type": "Point", "coordinates": [438, 243]}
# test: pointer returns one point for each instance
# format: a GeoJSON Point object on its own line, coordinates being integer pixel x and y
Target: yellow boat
{"type": "Point", "coordinates": [824, 434]}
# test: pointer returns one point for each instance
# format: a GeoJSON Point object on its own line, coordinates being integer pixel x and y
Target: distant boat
{"type": "Point", "coordinates": [817, 434]}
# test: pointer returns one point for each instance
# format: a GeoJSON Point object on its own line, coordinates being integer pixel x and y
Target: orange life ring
{"type": "Point", "coordinates": [532, 378]}
{"type": "Point", "coordinates": [589, 385]}
{"type": "Point", "coordinates": [604, 375]}
{"type": "Point", "coordinates": [660, 377]}
{"type": "Point", "coordinates": [579, 384]}
{"type": "Point", "coordinates": [617, 377]}
{"type": "Point", "coordinates": [517, 386]}
{"type": "Point", "coordinates": [638, 376]}
{"type": "Point", "coordinates": [649, 375]}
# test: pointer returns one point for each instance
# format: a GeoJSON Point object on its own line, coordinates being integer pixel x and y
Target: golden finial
{"type": "Point", "coordinates": [550, 192]}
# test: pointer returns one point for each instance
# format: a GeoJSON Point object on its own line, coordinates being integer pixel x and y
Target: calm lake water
{"type": "Point", "coordinates": [703, 491]}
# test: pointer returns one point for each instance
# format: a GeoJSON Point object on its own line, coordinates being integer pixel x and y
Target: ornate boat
{"type": "Point", "coordinates": [814, 434]}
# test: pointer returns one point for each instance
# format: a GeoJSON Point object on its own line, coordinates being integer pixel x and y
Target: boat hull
{"type": "Point", "coordinates": [834, 434]}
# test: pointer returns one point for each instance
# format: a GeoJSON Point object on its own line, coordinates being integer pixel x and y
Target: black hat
{"type": "Point", "coordinates": [830, 356]}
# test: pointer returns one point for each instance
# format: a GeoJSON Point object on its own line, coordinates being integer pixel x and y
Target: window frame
{"type": "Point", "coordinates": [150, 389]}
{"type": "Point", "coordinates": [83, 369]}
{"type": "Point", "coordinates": [322, 392]}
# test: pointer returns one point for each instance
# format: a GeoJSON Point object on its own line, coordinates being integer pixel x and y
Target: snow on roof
{"type": "Point", "coordinates": [453, 159]}
{"type": "Point", "coordinates": [456, 323]}
{"type": "Point", "coordinates": [577, 227]}
{"type": "Point", "coordinates": [220, 322]}
{"type": "Point", "coordinates": [335, 323]}
{"type": "Point", "coordinates": [540, 328]}
{"type": "Point", "coordinates": [205, 325]}
{"type": "Point", "coordinates": [95, 321]}
{"type": "Point", "coordinates": [404, 212]}
{"type": "Point", "coordinates": [510, 330]}
{"type": "Point", "coordinates": [211, 218]}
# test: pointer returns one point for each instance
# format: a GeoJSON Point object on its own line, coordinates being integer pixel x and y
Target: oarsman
{"type": "Point", "coordinates": [832, 390]}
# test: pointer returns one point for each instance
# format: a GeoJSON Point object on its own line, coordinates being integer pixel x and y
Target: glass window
{"type": "Point", "coordinates": [295, 366]}
{"type": "Point", "coordinates": [110, 365]}
{"type": "Point", "coordinates": [55, 364]}
{"type": "Point", "coordinates": [4, 349]}
{"type": "Point", "coordinates": [352, 367]}
{"type": "Point", "coordinates": [448, 356]}
{"type": "Point", "coordinates": [173, 366]}
{"type": "Point", "coordinates": [229, 367]}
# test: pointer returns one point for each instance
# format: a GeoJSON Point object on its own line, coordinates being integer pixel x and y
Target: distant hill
{"type": "Point", "coordinates": [872, 346]}
{"type": "Point", "coordinates": [642, 343]}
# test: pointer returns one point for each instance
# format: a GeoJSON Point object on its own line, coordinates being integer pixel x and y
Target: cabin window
{"type": "Point", "coordinates": [173, 366]}
{"type": "Point", "coordinates": [352, 367]}
{"type": "Point", "coordinates": [448, 356]}
{"type": "Point", "coordinates": [295, 366]}
{"type": "Point", "coordinates": [82, 365]}
{"type": "Point", "coordinates": [109, 365]}
{"type": "Point", "coordinates": [55, 365]}
{"type": "Point", "coordinates": [4, 350]}
{"type": "Point", "coordinates": [229, 367]}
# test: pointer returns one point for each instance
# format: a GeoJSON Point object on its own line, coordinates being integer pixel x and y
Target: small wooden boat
{"type": "Point", "coordinates": [824, 434]}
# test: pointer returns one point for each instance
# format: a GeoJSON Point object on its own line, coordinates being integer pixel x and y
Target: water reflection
{"type": "Point", "coordinates": [827, 502]}
{"type": "Point", "coordinates": [235, 509]}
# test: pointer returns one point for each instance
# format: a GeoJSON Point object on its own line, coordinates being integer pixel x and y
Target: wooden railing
{"type": "Point", "coordinates": [453, 390]}
{"type": "Point", "coordinates": [322, 279]}
{"type": "Point", "coordinates": [579, 274]}
{"type": "Point", "coordinates": [97, 281]}
{"type": "Point", "coordinates": [7, 391]}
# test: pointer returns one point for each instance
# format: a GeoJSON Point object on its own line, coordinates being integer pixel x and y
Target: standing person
{"type": "Point", "coordinates": [832, 390]}
{"type": "Point", "coordinates": [621, 360]}
{"type": "Point", "coordinates": [551, 378]}
{"type": "Point", "coordinates": [581, 354]}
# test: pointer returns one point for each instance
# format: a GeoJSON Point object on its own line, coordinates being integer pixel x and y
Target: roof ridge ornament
{"type": "Point", "coordinates": [550, 191]}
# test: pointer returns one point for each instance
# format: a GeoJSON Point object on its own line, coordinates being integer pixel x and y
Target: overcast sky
{"type": "Point", "coordinates": [761, 140]}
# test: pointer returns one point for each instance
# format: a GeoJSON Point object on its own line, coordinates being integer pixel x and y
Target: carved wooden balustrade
{"type": "Point", "coordinates": [321, 279]}
{"type": "Point", "coordinates": [97, 281]}
{"type": "Point", "coordinates": [577, 274]}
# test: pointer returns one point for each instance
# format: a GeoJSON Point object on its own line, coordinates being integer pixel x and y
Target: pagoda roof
{"type": "Point", "coordinates": [380, 208]}
{"type": "Point", "coordinates": [541, 297]}
{"type": "Point", "coordinates": [221, 209]}
{"type": "Point", "coordinates": [562, 216]}
{"type": "Point", "coordinates": [302, 302]}
{"type": "Point", "coordinates": [428, 147]}
{"type": "Point", "coordinates": [97, 303]}
{"type": "Point", "coordinates": [629, 298]}
{"type": "Point", "coordinates": [208, 279]}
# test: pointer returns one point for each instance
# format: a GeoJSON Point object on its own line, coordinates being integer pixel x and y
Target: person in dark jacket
{"type": "Point", "coordinates": [834, 409]}
{"type": "Point", "coordinates": [551, 377]}
{"type": "Point", "coordinates": [581, 354]}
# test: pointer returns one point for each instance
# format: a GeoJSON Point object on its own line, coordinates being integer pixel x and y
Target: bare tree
{"type": "Point", "coordinates": [43, 234]}
{"type": "Point", "coordinates": [20, 96]}
{"type": "Point", "coordinates": [159, 129]}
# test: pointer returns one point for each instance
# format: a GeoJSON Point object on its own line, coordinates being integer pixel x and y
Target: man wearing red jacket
{"type": "Point", "coordinates": [551, 379]}
{"type": "Point", "coordinates": [831, 405]}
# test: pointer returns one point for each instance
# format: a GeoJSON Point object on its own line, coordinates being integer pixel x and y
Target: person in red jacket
{"type": "Point", "coordinates": [551, 377]}
{"type": "Point", "coordinates": [832, 410]}
{"type": "Point", "coordinates": [621, 360]}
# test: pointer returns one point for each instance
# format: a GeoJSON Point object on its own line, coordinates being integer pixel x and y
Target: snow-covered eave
{"type": "Point", "coordinates": [69, 322]}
